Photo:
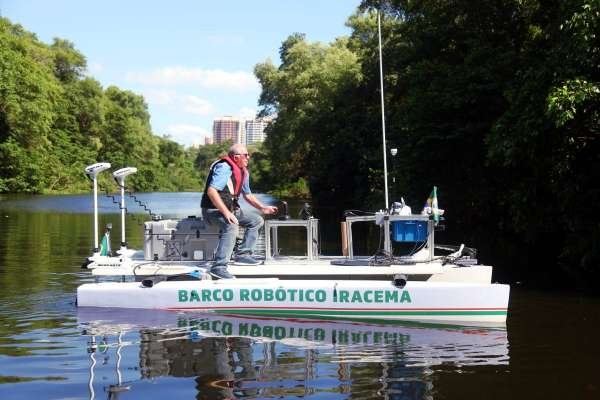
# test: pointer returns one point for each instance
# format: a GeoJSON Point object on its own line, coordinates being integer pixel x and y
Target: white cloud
{"type": "Point", "coordinates": [159, 96]}
{"type": "Point", "coordinates": [247, 112]}
{"type": "Point", "coordinates": [196, 105]}
{"type": "Point", "coordinates": [240, 81]}
{"type": "Point", "coordinates": [186, 134]}
{"type": "Point", "coordinates": [189, 104]}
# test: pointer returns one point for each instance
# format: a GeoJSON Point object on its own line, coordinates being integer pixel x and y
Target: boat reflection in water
{"type": "Point", "coordinates": [232, 356]}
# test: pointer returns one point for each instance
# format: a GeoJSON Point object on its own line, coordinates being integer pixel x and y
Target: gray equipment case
{"type": "Point", "coordinates": [188, 239]}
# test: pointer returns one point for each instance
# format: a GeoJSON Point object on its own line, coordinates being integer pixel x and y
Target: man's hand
{"type": "Point", "coordinates": [269, 210]}
{"type": "Point", "coordinates": [230, 217]}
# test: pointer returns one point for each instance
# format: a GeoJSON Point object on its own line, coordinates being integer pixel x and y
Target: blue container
{"type": "Point", "coordinates": [409, 231]}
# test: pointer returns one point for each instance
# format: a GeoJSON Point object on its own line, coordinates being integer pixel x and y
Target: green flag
{"type": "Point", "coordinates": [431, 206]}
{"type": "Point", "coordinates": [105, 245]}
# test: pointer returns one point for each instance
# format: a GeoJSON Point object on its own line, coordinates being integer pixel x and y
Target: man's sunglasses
{"type": "Point", "coordinates": [246, 155]}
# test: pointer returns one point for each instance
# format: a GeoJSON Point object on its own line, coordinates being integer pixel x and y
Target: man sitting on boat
{"type": "Point", "coordinates": [227, 179]}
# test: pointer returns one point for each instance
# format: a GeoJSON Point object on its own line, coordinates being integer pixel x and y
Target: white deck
{"type": "Point", "coordinates": [298, 268]}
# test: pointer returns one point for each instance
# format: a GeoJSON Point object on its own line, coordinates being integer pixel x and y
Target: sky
{"type": "Point", "coordinates": [192, 61]}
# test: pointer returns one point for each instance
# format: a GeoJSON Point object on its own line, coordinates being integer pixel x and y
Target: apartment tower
{"type": "Point", "coordinates": [228, 128]}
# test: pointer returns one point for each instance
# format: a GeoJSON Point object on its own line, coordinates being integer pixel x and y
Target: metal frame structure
{"type": "Point", "coordinates": [312, 236]}
{"type": "Point", "coordinates": [387, 244]}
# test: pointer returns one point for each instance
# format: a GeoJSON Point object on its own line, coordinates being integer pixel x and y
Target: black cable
{"type": "Point", "coordinates": [350, 213]}
{"type": "Point", "coordinates": [131, 195]}
{"type": "Point", "coordinates": [381, 256]}
{"type": "Point", "coordinates": [110, 196]}
{"type": "Point", "coordinates": [118, 203]}
{"type": "Point", "coordinates": [140, 203]}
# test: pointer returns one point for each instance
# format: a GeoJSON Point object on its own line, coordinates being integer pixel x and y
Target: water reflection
{"type": "Point", "coordinates": [231, 357]}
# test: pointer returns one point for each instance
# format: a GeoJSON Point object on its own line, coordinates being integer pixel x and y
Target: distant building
{"type": "Point", "coordinates": [255, 130]}
{"type": "Point", "coordinates": [208, 140]}
{"type": "Point", "coordinates": [228, 128]}
{"type": "Point", "coordinates": [244, 131]}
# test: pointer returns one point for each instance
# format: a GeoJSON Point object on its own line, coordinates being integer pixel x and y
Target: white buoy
{"type": "Point", "coordinates": [92, 172]}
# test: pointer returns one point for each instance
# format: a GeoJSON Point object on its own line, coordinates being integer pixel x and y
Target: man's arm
{"type": "Point", "coordinates": [213, 195]}
{"type": "Point", "coordinates": [254, 202]}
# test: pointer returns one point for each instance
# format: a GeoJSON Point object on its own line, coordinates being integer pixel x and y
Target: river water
{"type": "Point", "coordinates": [50, 349]}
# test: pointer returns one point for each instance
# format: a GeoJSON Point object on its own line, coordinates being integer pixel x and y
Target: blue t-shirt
{"type": "Point", "coordinates": [221, 175]}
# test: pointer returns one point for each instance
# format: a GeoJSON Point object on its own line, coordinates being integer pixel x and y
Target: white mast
{"type": "Point", "coordinates": [92, 171]}
{"type": "Point", "coordinates": [385, 173]}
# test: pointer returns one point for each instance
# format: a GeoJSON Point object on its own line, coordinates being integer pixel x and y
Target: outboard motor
{"type": "Point", "coordinates": [92, 172]}
{"type": "Point", "coordinates": [119, 176]}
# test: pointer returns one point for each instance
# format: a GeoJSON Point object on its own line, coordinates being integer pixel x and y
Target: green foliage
{"type": "Point", "coordinates": [54, 122]}
{"type": "Point", "coordinates": [309, 93]}
{"type": "Point", "coordinates": [260, 168]}
{"type": "Point", "coordinates": [206, 155]}
{"type": "Point", "coordinates": [296, 190]}
{"type": "Point", "coordinates": [565, 101]}
{"type": "Point", "coordinates": [496, 103]}
{"type": "Point", "coordinates": [69, 64]}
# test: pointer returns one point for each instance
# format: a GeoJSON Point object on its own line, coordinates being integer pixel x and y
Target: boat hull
{"type": "Point", "coordinates": [372, 300]}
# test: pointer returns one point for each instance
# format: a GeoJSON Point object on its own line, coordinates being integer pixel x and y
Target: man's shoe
{"type": "Point", "coordinates": [220, 273]}
{"type": "Point", "coordinates": [245, 260]}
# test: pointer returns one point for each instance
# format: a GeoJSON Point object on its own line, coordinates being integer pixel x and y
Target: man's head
{"type": "Point", "coordinates": [239, 155]}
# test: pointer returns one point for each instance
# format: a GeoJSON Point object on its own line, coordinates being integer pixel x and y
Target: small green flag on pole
{"type": "Point", "coordinates": [431, 206]}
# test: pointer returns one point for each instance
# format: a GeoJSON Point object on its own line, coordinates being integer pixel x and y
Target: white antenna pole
{"type": "Point", "coordinates": [385, 173]}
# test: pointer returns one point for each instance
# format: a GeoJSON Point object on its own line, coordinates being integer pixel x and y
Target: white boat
{"type": "Point", "coordinates": [170, 272]}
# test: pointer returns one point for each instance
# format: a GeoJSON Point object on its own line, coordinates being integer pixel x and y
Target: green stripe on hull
{"type": "Point", "coordinates": [367, 313]}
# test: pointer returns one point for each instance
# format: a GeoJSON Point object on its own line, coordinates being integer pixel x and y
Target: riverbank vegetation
{"type": "Point", "coordinates": [495, 102]}
{"type": "Point", "coordinates": [55, 120]}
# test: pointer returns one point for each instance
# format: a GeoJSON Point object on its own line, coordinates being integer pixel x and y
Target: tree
{"type": "Point", "coordinates": [304, 92]}
{"type": "Point", "coordinates": [54, 122]}
{"type": "Point", "coordinates": [69, 64]}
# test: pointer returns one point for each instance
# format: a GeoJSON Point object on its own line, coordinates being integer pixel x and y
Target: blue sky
{"type": "Point", "coordinates": [191, 60]}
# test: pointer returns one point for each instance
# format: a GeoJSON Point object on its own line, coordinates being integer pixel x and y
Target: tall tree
{"type": "Point", "coordinates": [54, 121]}
{"type": "Point", "coordinates": [308, 92]}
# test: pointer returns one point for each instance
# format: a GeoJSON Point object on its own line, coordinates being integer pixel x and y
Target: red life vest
{"type": "Point", "coordinates": [238, 175]}
{"type": "Point", "coordinates": [232, 190]}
